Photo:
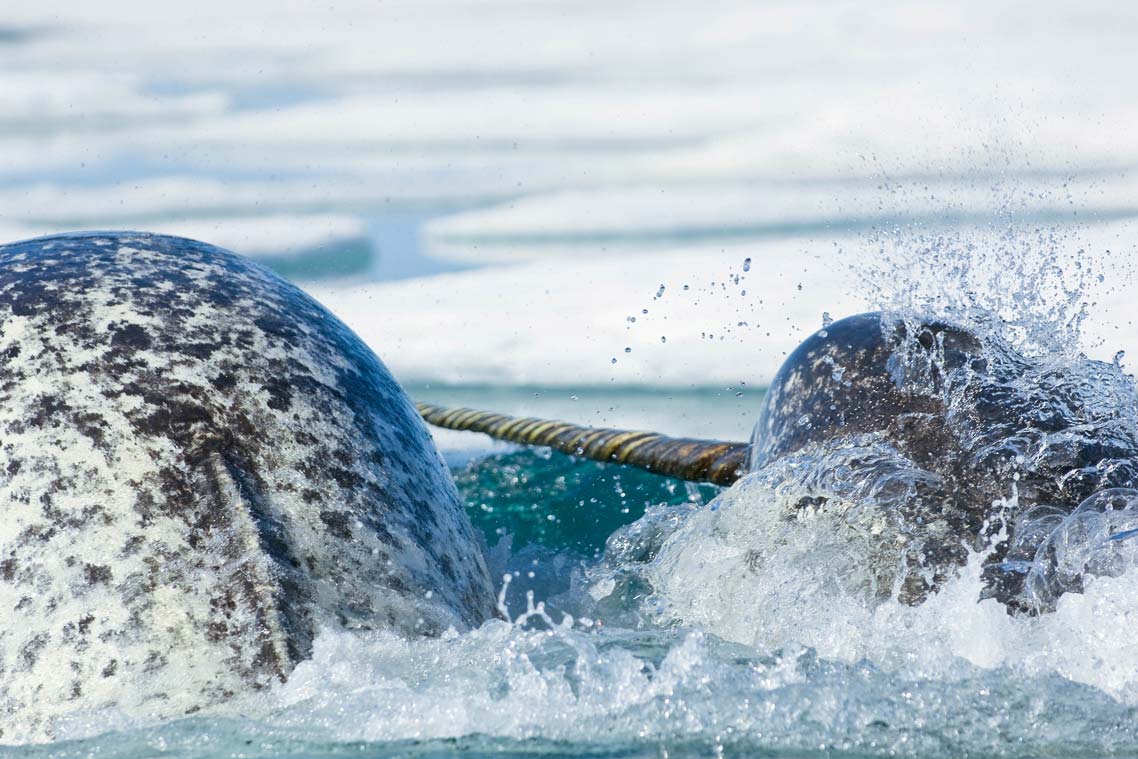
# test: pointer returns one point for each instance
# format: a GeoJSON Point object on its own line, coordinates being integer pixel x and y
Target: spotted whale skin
{"type": "Point", "coordinates": [944, 437]}
{"type": "Point", "coordinates": [200, 468]}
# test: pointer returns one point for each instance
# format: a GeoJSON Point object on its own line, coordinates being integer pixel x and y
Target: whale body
{"type": "Point", "coordinates": [200, 467]}
{"type": "Point", "coordinates": [955, 442]}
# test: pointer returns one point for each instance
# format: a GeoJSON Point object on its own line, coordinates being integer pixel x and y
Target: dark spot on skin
{"type": "Point", "coordinates": [223, 382]}
{"type": "Point", "coordinates": [97, 575]}
{"type": "Point", "coordinates": [38, 532]}
{"type": "Point", "coordinates": [49, 410]}
{"type": "Point", "coordinates": [345, 478]}
{"type": "Point", "coordinates": [199, 350]}
{"type": "Point", "coordinates": [280, 393]}
{"type": "Point", "coordinates": [132, 336]}
{"type": "Point", "coordinates": [338, 523]}
{"type": "Point", "coordinates": [447, 566]}
{"type": "Point", "coordinates": [753, 560]}
{"type": "Point", "coordinates": [85, 624]}
{"type": "Point", "coordinates": [133, 545]}
{"type": "Point", "coordinates": [155, 660]}
{"type": "Point", "coordinates": [8, 569]}
{"type": "Point", "coordinates": [30, 651]}
{"type": "Point", "coordinates": [395, 582]}
{"type": "Point", "coordinates": [27, 300]}
{"type": "Point", "coordinates": [276, 326]}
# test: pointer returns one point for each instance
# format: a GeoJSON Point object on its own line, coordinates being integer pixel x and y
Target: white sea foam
{"type": "Point", "coordinates": [741, 570]}
{"type": "Point", "coordinates": [939, 679]}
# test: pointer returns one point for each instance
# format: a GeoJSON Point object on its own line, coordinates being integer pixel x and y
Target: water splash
{"type": "Point", "coordinates": [1031, 283]}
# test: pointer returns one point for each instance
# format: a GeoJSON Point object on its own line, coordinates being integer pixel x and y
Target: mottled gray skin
{"type": "Point", "coordinates": [970, 421]}
{"type": "Point", "coordinates": [200, 467]}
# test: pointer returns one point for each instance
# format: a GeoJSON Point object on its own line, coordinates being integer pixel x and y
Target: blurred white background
{"type": "Point", "coordinates": [491, 191]}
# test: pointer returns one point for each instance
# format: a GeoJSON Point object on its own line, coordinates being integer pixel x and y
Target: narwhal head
{"type": "Point", "coordinates": [869, 373]}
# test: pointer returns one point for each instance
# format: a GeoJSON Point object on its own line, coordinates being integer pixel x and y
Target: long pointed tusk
{"type": "Point", "coordinates": [717, 461]}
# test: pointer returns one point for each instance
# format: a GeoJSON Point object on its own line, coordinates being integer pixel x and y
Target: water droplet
{"type": "Point", "coordinates": [827, 320]}
{"type": "Point", "coordinates": [663, 339]}
{"type": "Point", "coordinates": [614, 359]}
{"type": "Point", "coordinates": [628, 350]}
{"type": "Point", "coordinates": [660, 292]}
{"type": "Point", "coordinates": [746, 264]}
{"type": "Point", "coordinates": [574, 398]}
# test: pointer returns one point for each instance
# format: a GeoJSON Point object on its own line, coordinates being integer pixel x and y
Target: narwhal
{"type": "Point", "coordinates": [960, 443]}
{"type": "Point", "coordinates": [200, 468]}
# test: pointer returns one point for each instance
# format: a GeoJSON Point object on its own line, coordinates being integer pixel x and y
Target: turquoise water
{"type": "Point", "coordinates": [551, 500]}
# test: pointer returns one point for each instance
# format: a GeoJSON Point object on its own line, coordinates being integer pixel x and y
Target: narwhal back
{"type": "Point", "coordinates": [200, 467]}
